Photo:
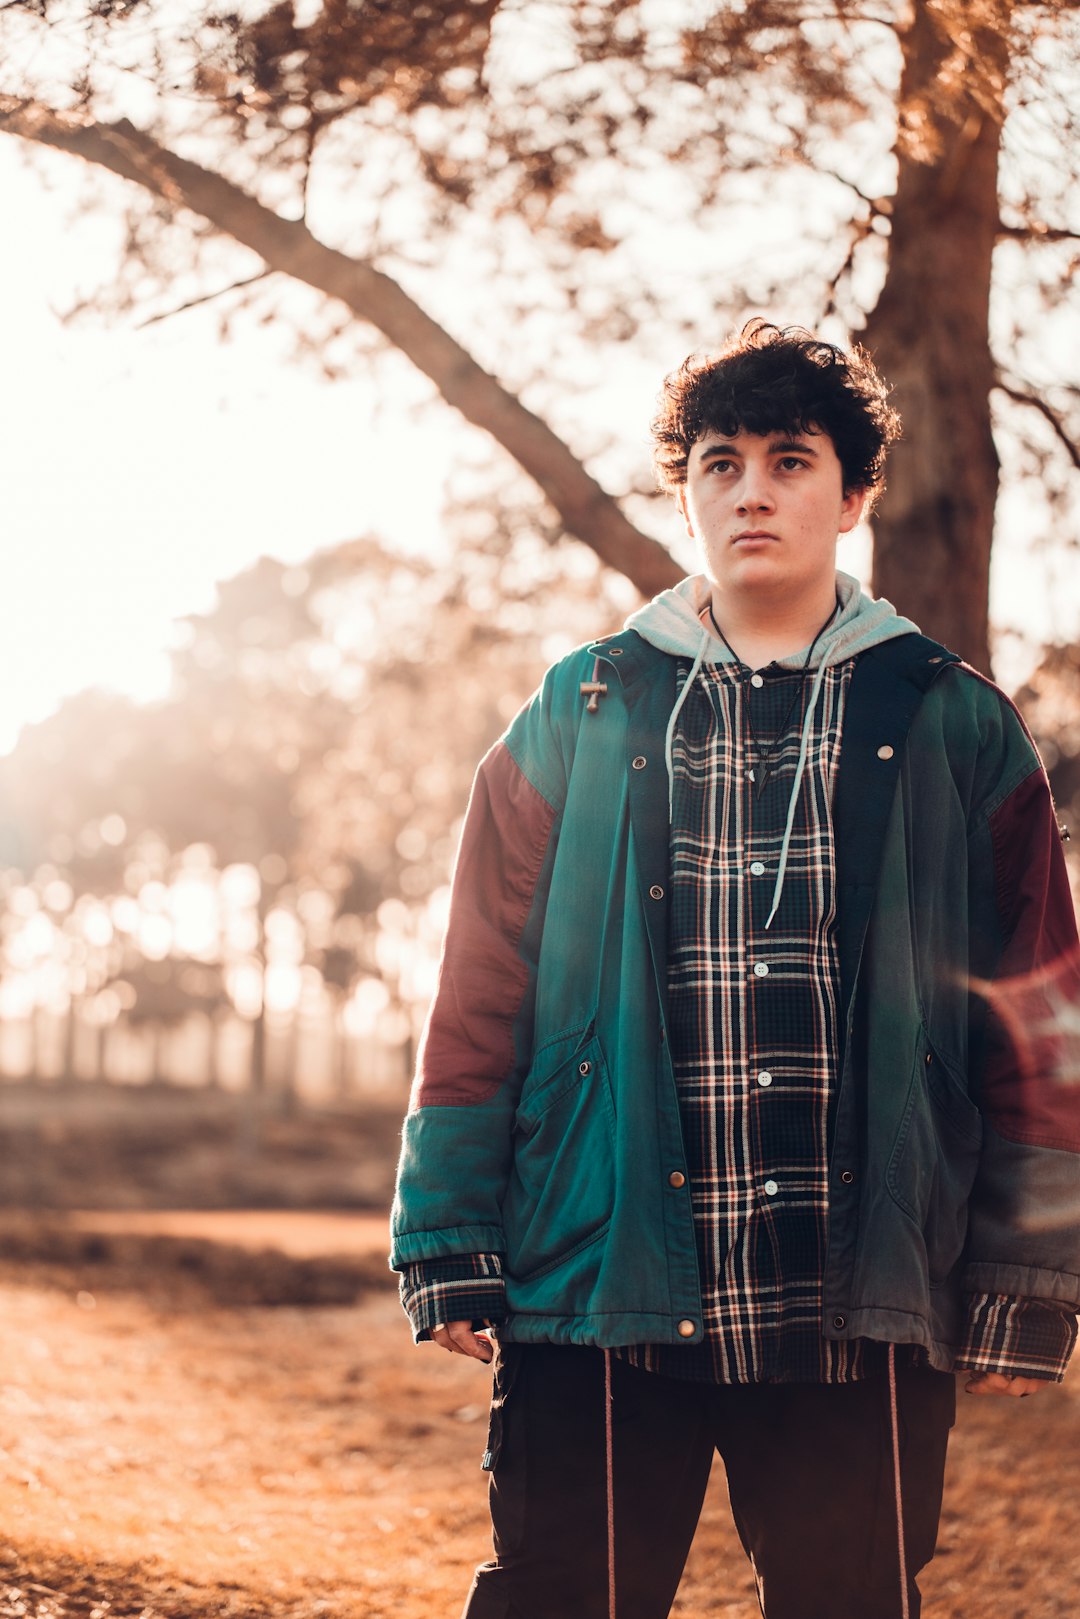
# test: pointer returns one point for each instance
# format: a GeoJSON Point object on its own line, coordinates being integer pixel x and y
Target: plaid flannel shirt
{"type": "Point", "coordinates": [754, 1040]}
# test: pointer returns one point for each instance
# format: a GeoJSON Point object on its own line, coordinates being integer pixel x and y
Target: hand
{"type": "Point", "coordinates": [459, 1339]}
{"type": "Point", "coordinates": [999, 1383]}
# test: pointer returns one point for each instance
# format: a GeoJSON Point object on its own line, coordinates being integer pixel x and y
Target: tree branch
{"type": "Point", "coordinates": [288, 246]}
{"type": "Point", "coordinates": [880, 207]}
{"type": "Point", "coordinates": [1024, 396]}
{"type": "Point", "coordinates": [206, 298]}
{"type": "Point", "coordinates": [1036, 232]}
{"type": "Point", "coordinates": [860, 230]}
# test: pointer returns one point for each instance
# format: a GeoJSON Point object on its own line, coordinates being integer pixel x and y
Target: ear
{"type": "Point", "coordinates": [852, 507]}
{"type": "Point", "coordinates": [680, 501]}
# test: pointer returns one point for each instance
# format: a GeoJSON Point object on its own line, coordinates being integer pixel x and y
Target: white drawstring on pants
{"type": "Point", "coordinates": [608, 1437]}
{"type": "Point", "coordinates": [904, 1608]}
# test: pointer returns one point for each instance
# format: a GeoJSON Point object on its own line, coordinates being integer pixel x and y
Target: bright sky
{"type": "Point", "coordinates": [143, 466]}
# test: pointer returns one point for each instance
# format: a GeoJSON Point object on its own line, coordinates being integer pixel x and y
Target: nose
{"type": "Point", "coordinates": [754, 494]}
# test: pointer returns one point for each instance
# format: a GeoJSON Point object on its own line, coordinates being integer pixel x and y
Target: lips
{"type": "Point", "coordinates": [753, 534]}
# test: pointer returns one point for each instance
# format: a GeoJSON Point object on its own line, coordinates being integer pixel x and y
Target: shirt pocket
{"type": "Point", "coordinates": [562, 1184]}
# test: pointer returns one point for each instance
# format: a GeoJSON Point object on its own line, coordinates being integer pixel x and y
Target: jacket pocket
{"type": "Point", "coordinates": [935, 1158]}
{"type": "Point", "coordinates": [562, 1184]}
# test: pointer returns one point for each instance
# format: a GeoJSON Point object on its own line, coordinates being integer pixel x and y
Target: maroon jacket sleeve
{"type": "Point", "coordinates": [474, 1028]}
{"type": "Point", "coordinates": [1030, 1084]}
{"type": "Point", "coordinates": [457, 1144]}
{"type": "Point", "coordinates": [1024, 1229]}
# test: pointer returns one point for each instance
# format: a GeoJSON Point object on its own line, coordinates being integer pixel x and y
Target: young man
{"type": "Point", "coordinates": [742, 1113]}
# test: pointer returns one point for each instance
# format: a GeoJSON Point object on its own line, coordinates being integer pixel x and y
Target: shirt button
{"type": "Point", "coordinates": [761, 969]}
{"type": "Point", "coordinates": [640, 762]}
{"type": "Point", "coordinates": [656, 892]}
{"type": "Point", "coordinates": [771, 1188]}
{"type": "Point", "coordinates": [756, 680]}
{"type": "Point", "coordinates": [885, 752]}
{"type": "Point", "coordinates": [686, 1329]}
{"type": "Point", "coordinates": [764, 1078]}
{"type": "Point", "coordinates": [676, 1178]}
{"type": "Point", "coordinates": [757, 868]}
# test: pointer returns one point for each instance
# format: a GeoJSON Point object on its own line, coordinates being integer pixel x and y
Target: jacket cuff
{"type": "Point", "coordinates": [1020, 1337]}
{"type": "Point", "coordinates": [465, 1287]}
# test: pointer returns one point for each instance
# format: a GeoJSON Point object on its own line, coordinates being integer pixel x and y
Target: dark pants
{"type": "Point", "coordinates": [810, 1478]}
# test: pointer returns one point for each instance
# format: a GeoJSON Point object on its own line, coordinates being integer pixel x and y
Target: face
{"type": "Point", "coordinates": [767, 511]}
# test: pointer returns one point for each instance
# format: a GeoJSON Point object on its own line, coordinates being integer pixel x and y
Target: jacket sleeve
{"type": "Point", "coordinates": [1024, 1212]}
{"type": "Point", "coordinates": [477, 1044]}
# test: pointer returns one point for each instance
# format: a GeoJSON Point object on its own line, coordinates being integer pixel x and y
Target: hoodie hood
{"type": "Point", "coordinates": [671, 622]}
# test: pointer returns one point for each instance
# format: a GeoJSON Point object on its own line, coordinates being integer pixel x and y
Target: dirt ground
{"type": "Point", "coordinates": [219, 1412]}
{"type": "Point", "coordinates": [168, 1455]}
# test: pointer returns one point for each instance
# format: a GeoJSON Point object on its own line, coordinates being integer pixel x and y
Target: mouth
{"type": "Point", "coordinates": [751, 536]}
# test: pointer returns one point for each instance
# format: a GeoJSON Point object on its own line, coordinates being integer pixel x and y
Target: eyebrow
{"type": "Point", "coordinates": [778, 446]}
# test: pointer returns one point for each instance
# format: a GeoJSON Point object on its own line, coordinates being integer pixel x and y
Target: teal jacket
{"type": "Point", "coordinates": [544, 1123]}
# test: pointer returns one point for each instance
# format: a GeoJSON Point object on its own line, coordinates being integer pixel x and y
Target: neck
{"type": "Point", "coordinates": [761, 631]}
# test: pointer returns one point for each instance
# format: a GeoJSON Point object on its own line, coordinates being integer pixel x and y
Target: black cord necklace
{"type": "Point", "coordinates": [761, 769]}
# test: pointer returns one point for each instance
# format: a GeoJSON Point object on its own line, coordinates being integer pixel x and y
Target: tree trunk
{"type": "Point", "coordinates": [342, 1053]}
{"type": "Point", "coordinates": [157, 1053]}
{"type": "Point", "coordinates": [930, 334]}
{"type": "Point", "coordinates": [287, 245]}
{"type": "Point", "coordinates": [213, 1035]}
{"type": "Point", "coordinates": [99, 1068]}
{"type": "Point", "coordinates": [257, 1076]}
{"type": "Point", "coordinates": [69, 1060]}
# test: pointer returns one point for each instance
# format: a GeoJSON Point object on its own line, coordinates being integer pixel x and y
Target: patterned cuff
{"type": "Point", "coordinates": [1017, 1336]}
{"type": "Point", "coordinates": [466, 1287]}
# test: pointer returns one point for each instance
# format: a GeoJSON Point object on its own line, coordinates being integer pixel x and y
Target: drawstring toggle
{"type": "Point", "coordinates": [593, 689]}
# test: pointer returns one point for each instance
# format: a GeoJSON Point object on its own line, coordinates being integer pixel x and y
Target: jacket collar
{"type": "Point", "coordinates": [631, 657]}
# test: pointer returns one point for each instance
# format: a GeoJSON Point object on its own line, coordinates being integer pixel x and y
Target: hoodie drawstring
{"type": "Point", "coordinates": [699, 659]}
{"type": "Point", "coordinates": [793, 801]}
{"type": "Point", "coordinates": [800, 769]}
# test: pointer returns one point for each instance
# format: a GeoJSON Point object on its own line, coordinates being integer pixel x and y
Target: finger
{"type": "Point", "coordinates": [988, 1383]}
{"type": "Point", "coordinates": [467, 1342]}
{"type": "Point", "coordinates": [1015, 1388]}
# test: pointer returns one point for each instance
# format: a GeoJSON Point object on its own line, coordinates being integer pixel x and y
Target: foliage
{"type": "Point", "coordinates": [577, 188]}
{"type": "Point", "coordinates": [323, 727]}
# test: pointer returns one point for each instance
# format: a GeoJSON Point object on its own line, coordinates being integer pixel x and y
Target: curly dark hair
{"type": "Point", "coordinates": [771, 379]}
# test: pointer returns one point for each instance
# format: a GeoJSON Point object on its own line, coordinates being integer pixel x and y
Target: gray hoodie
{"type": "Point", "coordinates": [671, 623]}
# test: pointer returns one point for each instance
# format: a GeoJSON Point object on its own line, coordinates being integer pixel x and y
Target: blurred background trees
{"type": "Point", "coordinates": [269, 848]}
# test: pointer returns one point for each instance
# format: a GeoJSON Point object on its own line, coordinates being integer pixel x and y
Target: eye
{"type": "Point", "coordinates": [790, 463]}
{"type": "Point", "coordinates": [721, 464]}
